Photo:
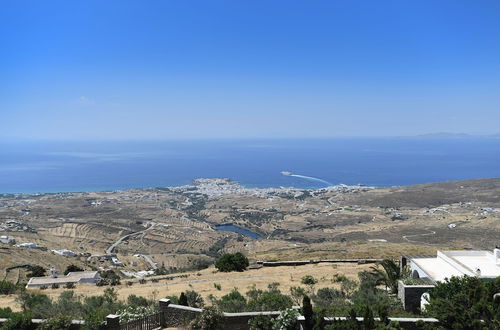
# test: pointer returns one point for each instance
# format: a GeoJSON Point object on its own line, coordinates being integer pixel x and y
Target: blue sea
{"type": "Point", "coordinates": [29, 167]}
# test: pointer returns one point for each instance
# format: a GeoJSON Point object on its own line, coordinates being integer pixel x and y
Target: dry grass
{"type": "Point", "coordinates": [203, 282]}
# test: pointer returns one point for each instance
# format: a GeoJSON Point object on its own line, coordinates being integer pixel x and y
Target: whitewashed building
{"type": "Point", "coordinates": [426, 271]}
{"type": "Point", "coordinates": [482, 264]}
{"type": "Point", "coordinates": [72, 277]}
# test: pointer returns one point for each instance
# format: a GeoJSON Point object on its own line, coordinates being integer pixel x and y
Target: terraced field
{"type": "Point", "coordinates": [177, 225]}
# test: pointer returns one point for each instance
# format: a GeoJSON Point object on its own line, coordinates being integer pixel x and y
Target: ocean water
{"type": "Point", "coordinates": [28, 167]}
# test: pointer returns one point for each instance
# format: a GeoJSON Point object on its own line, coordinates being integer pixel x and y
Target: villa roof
{"type": "Point", "coordinates": [446, 264]}
{"type": "Point", "coordinates": [72, 277]}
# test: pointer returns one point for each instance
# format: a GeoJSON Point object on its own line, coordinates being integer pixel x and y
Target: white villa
{"type": "Point", "coordinates": [72, 277]}
{"type": "Point", "coordinates": [481, 264]}
{"type": "Point", "coordinates": [484, 265]}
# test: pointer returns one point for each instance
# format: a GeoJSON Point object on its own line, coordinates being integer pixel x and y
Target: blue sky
{"type": "Point", "coordinates": [79, 70]}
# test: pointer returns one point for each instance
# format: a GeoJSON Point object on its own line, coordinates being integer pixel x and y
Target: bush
{"type": "Point", "coordinates": [233, 302]}
{"type": "Point", "coordinates": [297, 294]}
{"type": "Point", "coordinates": [7, 287]}
{"type": "Point", "coordinates": [261, 322]}
{"type": "Point", "coordinates": [72, 268]}
{"type": "Point", "coordinates": [309, 280]}
{"type": "Point", "coordinates": [465, 300]}
{"type": "Point", "coordinates": [36, 271]}
{"type": "Point", "coordinates": [209, 319]}
{"type": "Point", "coordinates": [5, 313]}
{"type": "Point", "coordinates": [326, 297]}
{"type": "Point", "coordinates": [232, 262]}
{"type": "Point", "coordinates": [287, 320]}
{"type": "Point", "coordinates": [59, 323]}
{"type": "Point", "coordinates": [19, 321]}
{"type": "Point", "coordinates": [54, 286]}
{"type": "Point", "coordinates": [270, 300]}
{"type": "Point", "coordinates": [194, 299]}
{"type": "Point", "coordinates": [69, 286]}
{"type": "Point", "coordinates": [133, 300]}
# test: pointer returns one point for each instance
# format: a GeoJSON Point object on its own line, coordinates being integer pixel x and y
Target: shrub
{"type": "Point", "coordinates": [133, 300]}
{"type": "Point", "coordinates": [209, 319]}
{"type": "Point", "coordinates": [309, 280]}
{"type": "Point", "coordinates": [5, 312]}
{"type": "Point", "coordinates": [217, 286]}
{"type": "Point", "coordinates": [54, 286]}
{"type": "Point", "coordinates": [19, 321]}
{"type": "Point", "coordinates": [465, 300]}
{"type": "Point", "coordinates": [287, 320]}
{"type": "Point", "coordinates": [7, 287]}
{"type": "Point", "coordinates": [36, 271]}
{"type": "Point", "coordinates": [72, 268]}
{"type": "Point", "coordinates": [326, 297]}
{"type": "Point", "coordinates": [232, 262]}
{"type": "Point", "coordinates": [297, 293]}
{"type": "Point", "coordinates": [194, 299]}
{"type": "Point", "coordinates": [270, 300]}
{"type": "Point", "coordinates": [261, 322]}
{"type": "Point", "coordinates": [59, 323]}
{"type": "Point", "coordinates": [337, 278]}
{"type": "Point", "coordinates": [233, 302]}
{"type": "Point", "coordinates": [70, 286]}
{"type": "Point", "coordinates": [135, 312]}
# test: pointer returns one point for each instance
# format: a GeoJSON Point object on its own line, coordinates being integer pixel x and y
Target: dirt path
{"type": "Point", "coordinates": [430, 232]}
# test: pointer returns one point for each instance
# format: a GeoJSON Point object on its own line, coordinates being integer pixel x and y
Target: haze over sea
{"type": "Point", "coordinates": [29, 167]}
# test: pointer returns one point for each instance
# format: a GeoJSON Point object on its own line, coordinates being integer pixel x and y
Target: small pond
{"type": "Point", "coordinates": [239, 230]}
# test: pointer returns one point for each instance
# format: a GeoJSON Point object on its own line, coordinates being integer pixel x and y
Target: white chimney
{"type": "Point", "coordinates": [53, 272]}
{"type": "Point", "coordinates": [496, 255]}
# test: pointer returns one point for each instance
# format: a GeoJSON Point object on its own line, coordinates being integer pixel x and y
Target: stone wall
{"type": "Point", "coordinates": [411, 295]}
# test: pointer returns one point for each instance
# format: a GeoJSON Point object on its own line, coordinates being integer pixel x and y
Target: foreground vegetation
{"type": "Point", "coordinates": [459, 303]}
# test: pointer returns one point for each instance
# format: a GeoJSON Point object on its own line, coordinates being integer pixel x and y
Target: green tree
{"type": "Point", "coordinates": [7, 287]}
{"type": "Point", "coordinates": [230, 262]}
{"type": "Point", "coordinates": [36, 271]}
{"type": "Point", "coordinates": [297, 293]}
{"type": "Point", "coordinates": [5, 312]}
{"type": "Point", "coordinates": [269, 300]}
{"type": "Point", "coordinates": [209, 319]}
{"type": "Point", "coordinates": [19, 321]}
{"type": "Point", "coordinates": [72, 268]}
{"type": "Point", "coordinates": [326, 297]}
{"type": "Point", "coordinates": [465, 303]}
{"type": "Point", "coordinates": [388, 275]}
{"type": "Point", "coordinates": [194, 299]}
{"type": "Point", "coordinates": [183, 299]}
{"type": "Point", "coordinates": [233, 302]}
{"type": "Point", "coordinates": [59, 323]}
{"type": "Point", "coordinates": [308, 313]}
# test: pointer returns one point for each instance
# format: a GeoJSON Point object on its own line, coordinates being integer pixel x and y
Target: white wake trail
{"type": "Point", "coordinates": [307, 178]}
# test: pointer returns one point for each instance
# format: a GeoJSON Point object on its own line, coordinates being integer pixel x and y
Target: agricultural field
{"type": "Point", "coordinates": [175, 228]}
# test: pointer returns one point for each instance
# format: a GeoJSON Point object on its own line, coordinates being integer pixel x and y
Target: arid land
{"type": "Point", "coordinates": [174, 227]}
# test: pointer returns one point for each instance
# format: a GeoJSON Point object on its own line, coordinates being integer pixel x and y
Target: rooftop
{"type": "Point", "coordinates": [446, 264]}
{"type": "Point", "coordinates": [71, 277]}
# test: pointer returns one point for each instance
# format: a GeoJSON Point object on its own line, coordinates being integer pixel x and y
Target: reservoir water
{"type": "Point", "coordinates": [239, 230]}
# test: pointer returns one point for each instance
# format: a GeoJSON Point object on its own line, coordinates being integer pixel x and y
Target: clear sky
{"type": "Point", "coordinates": [241, 69]}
